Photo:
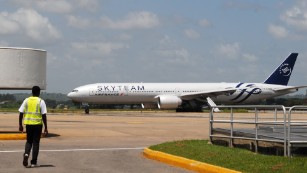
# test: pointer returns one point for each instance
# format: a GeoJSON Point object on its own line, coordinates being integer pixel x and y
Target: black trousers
{"type": "Point", "coordinates": [33, 138]}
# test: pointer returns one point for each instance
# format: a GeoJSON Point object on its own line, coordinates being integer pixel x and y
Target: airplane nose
{"type": "Point", "coordinates": [70, 95]}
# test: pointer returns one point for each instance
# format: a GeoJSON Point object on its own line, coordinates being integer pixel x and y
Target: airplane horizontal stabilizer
{"type": "Point", "coordinates": [290, 88]}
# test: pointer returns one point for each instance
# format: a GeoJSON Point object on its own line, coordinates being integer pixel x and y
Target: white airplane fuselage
{"type": "Point", "coordinates": [143, 93]}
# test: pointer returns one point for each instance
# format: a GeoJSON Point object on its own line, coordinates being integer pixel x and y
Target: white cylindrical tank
{"type": "Point", "coordinates": [22, 68]}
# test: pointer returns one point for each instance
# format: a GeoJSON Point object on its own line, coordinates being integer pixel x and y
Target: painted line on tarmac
{"type": "Point", "coordinates": [81, 149]}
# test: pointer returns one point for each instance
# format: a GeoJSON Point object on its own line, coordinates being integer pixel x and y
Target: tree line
{"type": "Point", "coordinates": [10, 101]}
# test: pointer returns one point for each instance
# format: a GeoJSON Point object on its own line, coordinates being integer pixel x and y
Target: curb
{"type": "Point", "coordinates": [185, 163]}
{"type": "Point", "coordinates": [14, 136]}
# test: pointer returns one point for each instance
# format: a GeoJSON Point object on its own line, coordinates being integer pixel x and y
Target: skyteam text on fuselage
{"type": "Point", "coordinates": [183, 95]}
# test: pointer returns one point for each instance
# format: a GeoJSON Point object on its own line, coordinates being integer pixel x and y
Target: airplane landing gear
{"type": "Point", "coordinates": [86, 107]}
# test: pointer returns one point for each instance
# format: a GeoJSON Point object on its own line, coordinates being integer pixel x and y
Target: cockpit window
{"type": "Point", "coordinates": [74, 90]}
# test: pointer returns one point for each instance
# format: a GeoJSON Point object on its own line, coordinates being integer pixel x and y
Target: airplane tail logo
{"type": "Point", "coordinates": [283, 72]}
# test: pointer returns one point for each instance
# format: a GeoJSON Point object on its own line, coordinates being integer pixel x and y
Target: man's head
{"type": "Point", "coordinates": [36, 91]}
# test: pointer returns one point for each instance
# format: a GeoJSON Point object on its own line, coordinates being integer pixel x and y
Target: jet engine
{"type": "Point", "coordinates": [169, 102]}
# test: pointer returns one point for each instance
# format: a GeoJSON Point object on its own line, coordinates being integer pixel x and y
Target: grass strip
{"type": "Point", "coordinates": [232, 158]}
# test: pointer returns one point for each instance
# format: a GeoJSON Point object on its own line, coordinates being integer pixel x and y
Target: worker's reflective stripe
{"type": "Point", "coordinates": [32, 111]}
{"type": "Point", "coordinates": [32, 119]}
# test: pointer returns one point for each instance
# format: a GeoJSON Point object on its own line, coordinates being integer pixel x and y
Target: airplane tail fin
{"type": "Point", "coordinates": [283, 72]}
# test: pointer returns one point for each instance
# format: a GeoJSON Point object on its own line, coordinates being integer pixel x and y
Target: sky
{"type": "Point", "coordinates": [92, 41]}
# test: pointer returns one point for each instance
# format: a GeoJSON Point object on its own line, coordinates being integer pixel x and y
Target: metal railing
{"type": "Point", "coordinates": [278, 119]}
{"type": "Point", "coordinates": [291, 124]}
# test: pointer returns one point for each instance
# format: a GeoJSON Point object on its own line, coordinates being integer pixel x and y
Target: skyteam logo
{"type": "Point", "coordinates": [285, 69]}
{"type": "Point", "coordinates": [246, 90]}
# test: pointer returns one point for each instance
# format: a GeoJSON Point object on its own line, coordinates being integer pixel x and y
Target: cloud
{"type": "Point", "coordinates": [90, 5]}
{"type": "Point", "coordinates": [204, 23]}
{"type": "Point", "coordinates": [59, 6]}
{"type": "Point", "coordinates": [277, 31]}
{"type": "Point", "coordinates": [78, 22]}
{"type": "Point", "coordinates": [296, 16]}
{"type": "Point", "coordinates": [293, 23]}
{"type": "Point", "coordinates": [56, 6]}
{"type": "Point", "coordinates": [171, 53]}
{"type": "Point", "coordinates": [30, 23]}
{"type": "Point", "coordinates": [243, 5]}
{"type": "Point", "coordinates": [175, 56]}
{"type": "Point", "coordinates": [191, 33]}
{"type": "Point", "coordinates": [249, 57]}
{"type": "Point", "coordinates": [231, 51]}
{"type": "Point", "coordinates": [7, 25]}
{"type": "Point", "coordinates": [124, 37]}
{"type": "Point", "coordinates": [96, 48]}
{"type": "Point", "coordinates": [134, 20]}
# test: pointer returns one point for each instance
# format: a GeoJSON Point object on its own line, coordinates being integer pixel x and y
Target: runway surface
{"type": "Point", "coordinates": [110, 142]}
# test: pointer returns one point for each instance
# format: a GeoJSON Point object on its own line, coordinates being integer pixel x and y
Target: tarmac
{"type": "Point", "coordinates": [110, 142]}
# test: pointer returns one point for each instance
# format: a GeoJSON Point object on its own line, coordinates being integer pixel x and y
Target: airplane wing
{"type": "Point", "coordinates": [208, 93]}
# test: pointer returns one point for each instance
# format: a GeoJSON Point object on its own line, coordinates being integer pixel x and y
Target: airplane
{"type": "Point", "coordinates": [184, 96]}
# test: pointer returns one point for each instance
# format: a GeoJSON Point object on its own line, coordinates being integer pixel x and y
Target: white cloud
{"type": "Point", "coordinates": [169, 52]}
{"type": "Point", "coordinates": [204, 23]}
{"type": "Point", "coordinates": [134, 20]}
{"type": "Point", "coordinates": [166, 41]}
{"type": "Point", "coordinates": [231, 51]}
{"type": "Point", "coordinates": [35, 26]}
{"type": "Point", "coordinates": [78, 22]}
{"type": "Point", "coordinates": [191, 33]}
{"type": "Point", "coordinates": [51, 59]}
{"type": "Point", "coordinates": [124, 36]}
{"type": "Point", "coordinates": [55, 6]}
{"type": "Point", "coordinates": [59, 6]}
{"type": "Point", "coordinates": [7, 25]}
{"type": "Point", "coordinates": [96, 48]}
{"type": "Point", "coordinates": [249, 57]}
{"type": "Point", "coordinates": [30, 23]}
{"type": "Point", "coordinates": [90, 5]}
{"type": "Point", "coordinates": [278, 31]}
{"type": "Point", "coordinates": [175, 56]}
{"type": "Point", "coordinates": [297, 15]}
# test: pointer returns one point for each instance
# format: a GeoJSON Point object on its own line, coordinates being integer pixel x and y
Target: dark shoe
{"type": "Point", "coordinates": [34, 165]}
{"type": "Point", "coordinates": [25, 160]}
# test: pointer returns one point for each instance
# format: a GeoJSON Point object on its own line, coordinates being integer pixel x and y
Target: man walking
{"type": "Point", "coordinates": [33, 113]}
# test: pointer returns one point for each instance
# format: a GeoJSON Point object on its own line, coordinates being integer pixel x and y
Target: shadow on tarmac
{"type": "Point", "coordinates": [51, 135]}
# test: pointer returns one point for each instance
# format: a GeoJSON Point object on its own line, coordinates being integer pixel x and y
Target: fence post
{"type": "Point", "coordinates": [211, 123]}
{"type": "Point", "coordinates": [288, 137]}
{"type": "Point", "coordinates": [256, 130]}
{"type": "Point", "coordinates": [231, 127]}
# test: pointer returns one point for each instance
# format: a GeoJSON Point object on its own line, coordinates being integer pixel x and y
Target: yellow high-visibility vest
{"type": "Point", "coordinates": [32, 112]}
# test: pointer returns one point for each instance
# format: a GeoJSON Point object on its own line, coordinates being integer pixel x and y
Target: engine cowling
{"type": "Point", "coordinates": [169, 102]}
